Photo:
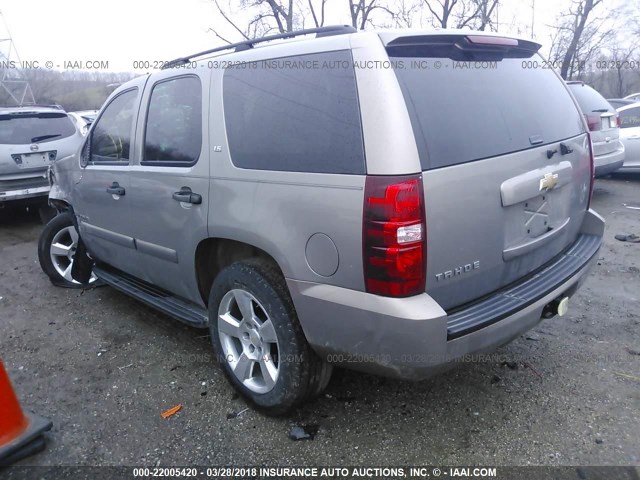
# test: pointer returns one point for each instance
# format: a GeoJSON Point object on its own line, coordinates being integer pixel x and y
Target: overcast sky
{"type": "Point", "coordinates": [122, 31]}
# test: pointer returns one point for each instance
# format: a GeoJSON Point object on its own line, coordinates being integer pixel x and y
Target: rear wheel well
{"type": "Point", "coordinates": [214, 254]}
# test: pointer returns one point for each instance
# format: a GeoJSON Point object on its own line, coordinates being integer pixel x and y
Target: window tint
{"type": "Point", "coordinates": [465, 111]}
{"type": "Point", "coordinates": [630, 118]}
{"type": "Point", "coordinates": [590, 100]}
{"type": "Point", "coordinates": [295, 114]}
{"type": "Point", "coordinates": [111, 137]}
{"type": "Point", "coordinates": [174, 122]}
{"type": "Point", "coordinates": [19, 128]}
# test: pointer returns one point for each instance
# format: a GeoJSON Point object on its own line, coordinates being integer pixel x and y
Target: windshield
{"type": "Point", "coordinates": [31, 127]}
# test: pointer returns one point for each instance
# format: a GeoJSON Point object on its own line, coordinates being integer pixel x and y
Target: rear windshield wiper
{"type": "Point", "coordinates": [601, 110]}
{"type": "Point", "coordinates": [44, 137]}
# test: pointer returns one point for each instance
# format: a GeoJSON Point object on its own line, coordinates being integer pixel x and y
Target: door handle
{"type": "Point", "coordinates": [187, 196]}
{"type": "Point", "coordinates": [115, 189]}
{"type": "Point", "coordinates": [564, 150]}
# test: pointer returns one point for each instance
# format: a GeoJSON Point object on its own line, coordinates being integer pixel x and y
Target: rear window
{"type": "Point", "coordinates": [297, 113]}
{"type": "Point", "coordinates": [463, 111]}
{"type": "Point", "coordinates": [590, 100]}
{"type": "Point", "coordinates": [32, 127]}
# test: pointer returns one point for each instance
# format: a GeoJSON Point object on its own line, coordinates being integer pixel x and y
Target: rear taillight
{"type": "Point", "coordinates": [393, 236]}
{"type": "Point", "coordinates": [618, 121]}
{"type": "Point", "coordinates": [594, 122]}
{"type": "Point", "coordinates": [593, 170]}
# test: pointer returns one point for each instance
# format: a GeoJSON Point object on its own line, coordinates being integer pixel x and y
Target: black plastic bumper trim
{"type": "Point", "coordinates": [515, 297]}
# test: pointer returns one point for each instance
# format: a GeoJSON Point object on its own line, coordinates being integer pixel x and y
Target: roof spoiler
{"type": "Point", "coordinates": [462, 47]}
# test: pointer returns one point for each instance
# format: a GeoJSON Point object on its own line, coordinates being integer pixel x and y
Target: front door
{"type": "Point", "coordinates": [170, 180]}
{"type": "Point", "coordinates": [101, 200]}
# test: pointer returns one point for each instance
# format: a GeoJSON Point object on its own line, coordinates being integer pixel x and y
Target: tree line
{"type": "Point", "coordinates": [72, 89]}
{"type": "Point", "coordinates": [591, 40]}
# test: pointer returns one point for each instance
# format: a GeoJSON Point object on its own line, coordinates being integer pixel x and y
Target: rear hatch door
{"type": "Point", "coordinates": [31, 140]}
{"type": "Point", "coordinates": [505, 160]}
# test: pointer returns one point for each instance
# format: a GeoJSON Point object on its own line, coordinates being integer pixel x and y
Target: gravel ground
{"type": "Point", "coordinates": [103, 367]}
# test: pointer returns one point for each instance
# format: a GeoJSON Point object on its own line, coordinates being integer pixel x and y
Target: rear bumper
{"type": "Point", "coordinates": [609, 162]}
{"type": "Point", "coordinates": [24, 193]}
{"type": "Point", "coordinates": [411, 338]}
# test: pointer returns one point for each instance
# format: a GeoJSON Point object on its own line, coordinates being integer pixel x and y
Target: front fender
{"type": "Point", "coordinates": [62, 178]}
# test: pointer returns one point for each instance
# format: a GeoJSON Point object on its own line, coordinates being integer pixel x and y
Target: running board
{"type": "Point", "coordinates": [185, 311]}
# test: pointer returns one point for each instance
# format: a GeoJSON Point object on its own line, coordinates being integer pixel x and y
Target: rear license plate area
{"type": "Point", "coordinates": [34, 160]}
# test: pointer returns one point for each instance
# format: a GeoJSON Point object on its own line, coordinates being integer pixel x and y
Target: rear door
{"type": "Point", "coordinates": [170, 181]}
{"type": "Point", "coordinates": [101, 197]}
{"type": "Point", "coordinates": [505, 160]}
{"type": "Point", "coordinates": [630, 135]}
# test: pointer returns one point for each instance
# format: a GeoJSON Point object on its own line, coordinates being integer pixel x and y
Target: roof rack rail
{"type": "Point", "coordinates": [247, 44]}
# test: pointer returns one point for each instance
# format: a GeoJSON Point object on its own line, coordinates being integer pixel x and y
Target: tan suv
{"type": "Point", "coordinates": [332, 201]}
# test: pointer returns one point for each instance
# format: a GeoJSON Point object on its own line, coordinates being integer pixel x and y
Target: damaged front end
{"type": "Point", "coordinates": [63, 175]}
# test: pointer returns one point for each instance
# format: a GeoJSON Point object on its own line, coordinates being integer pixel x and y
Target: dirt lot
{"type": "Point", "coordinates": [103, 367]}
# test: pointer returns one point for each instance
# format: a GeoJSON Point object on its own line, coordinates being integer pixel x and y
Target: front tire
{"type": "Point", "coordinates": [258, 340]}
{"type": "Point", "coordinates": [56, 249]}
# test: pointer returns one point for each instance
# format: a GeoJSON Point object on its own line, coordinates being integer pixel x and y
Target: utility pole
{"type": "Point", "coordinates": [14, 86]}
{"type": "Point", "coordinates": [533, 16]}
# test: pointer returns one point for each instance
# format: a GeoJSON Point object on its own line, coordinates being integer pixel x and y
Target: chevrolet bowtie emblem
{"type": "Point", "coordinates": [549, 181]}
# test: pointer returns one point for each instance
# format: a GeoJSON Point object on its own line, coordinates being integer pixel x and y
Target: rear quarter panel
{"type": "Point", "coordinates": [278, 211]}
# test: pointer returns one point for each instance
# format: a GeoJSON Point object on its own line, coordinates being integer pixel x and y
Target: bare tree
{"type": "Point", "coordinates": [476, 14]}
{"type": "Point", "coordinates": [404, 13]}
{"type": "Point", "coordinates": [441, 10]}
{"type": "Point", "coordinates": [361, 10]}
{"type": "Point", "coordinates": [267, 16]}
{"type": "Point", "coordinates": [317, 14]}
{"type": "Point", "coordinates": [619, 62]}
{"type": "Point", "coordinates": [572, 35]}
{"type": "Point", "coordinates": [483, 17]}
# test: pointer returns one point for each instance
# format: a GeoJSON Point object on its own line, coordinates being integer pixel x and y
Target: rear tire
{"type": "Point", "coordinates": [56, 248]}
{"type": "Point", "coordinates": [258, 340]}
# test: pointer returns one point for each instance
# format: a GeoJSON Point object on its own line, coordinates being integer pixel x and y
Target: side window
{"type": "Point", "coordinates": [111, 137]}
{"type": "Point", "coordinates": [174, 122]}
{"type": "Point", "coordinates": [297, 114]}
{"type": "Point", "coordinates": [630, 118]}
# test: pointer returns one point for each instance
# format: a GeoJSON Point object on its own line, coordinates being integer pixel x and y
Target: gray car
{"type": "Point", "coordinates": [313, 202]}
{"type": "Point", "coordinates": [603, 122]}
{"type": "Point", "coordinates": [32, 138]}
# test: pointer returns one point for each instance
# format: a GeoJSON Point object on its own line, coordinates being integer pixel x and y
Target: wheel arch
{"type": "Point", "coordinates": [61, 205]}
{"type": "Point", "coordinates": [215, 253]}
